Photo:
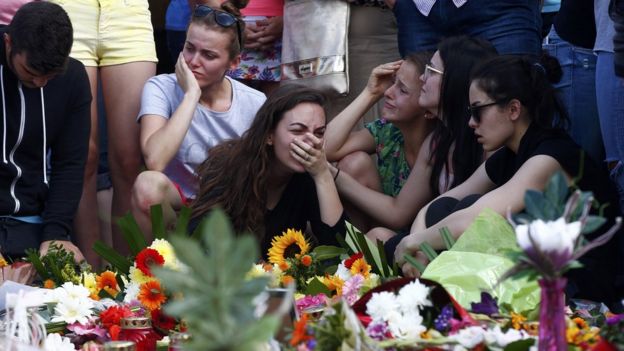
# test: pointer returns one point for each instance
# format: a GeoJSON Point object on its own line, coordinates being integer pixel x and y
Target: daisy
{"type": "Point", "coordinates": [291, 243]}
{"type": "Point", "coordinates": [151, 295]}
{"type": "Point", "coordinates": [147, 258]}
{"type": "Point", "coordinates": [360, 267]}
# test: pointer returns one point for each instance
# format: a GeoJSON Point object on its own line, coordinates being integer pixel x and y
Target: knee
{"type": "Point", "coordinates": [379, 233]}
{"type": "Point", "coordinates": [357, 164]}
{"type": "Point", "coordinates": [126, 165]}
{"type": "Point", "coordinates": [150, 188]}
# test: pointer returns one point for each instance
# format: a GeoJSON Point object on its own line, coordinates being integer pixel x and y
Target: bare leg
{"type": "Point", "coordinates": [380, 233]}
{"type": "Point", "coordinates": [85, 223]}
{"type": "Point", "coordinates": [153, 188]}
{"type": "Point", "coordinates": [122, 86]}
{"type": "Point", "coordinates": [362, 168]}
{"type": "Point", "coordinates": [105, 199]}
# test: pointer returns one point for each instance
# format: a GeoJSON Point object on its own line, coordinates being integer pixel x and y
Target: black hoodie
{"type": "Point", "coordinates": [55, 118]}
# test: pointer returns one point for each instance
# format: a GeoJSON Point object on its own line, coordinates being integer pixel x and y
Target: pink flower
{"type": "Point", "coordinates": [351, 288]}
{"type": "Point", "coordinates": [310, 301]}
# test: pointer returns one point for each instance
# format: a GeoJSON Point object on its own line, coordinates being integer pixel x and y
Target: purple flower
{"type": "Point", "coordinates": [615, 319]}
{"type": "Point", "coordinates": [442, 323]}
{"type": "Point", "coordinates": [351, 288]}
{"type": "Point", "coordinates": [310, 301]}
{"type": "Point", "coordinates": [377, 330]}
{"type": "Point", "coordinates": [487, 306]}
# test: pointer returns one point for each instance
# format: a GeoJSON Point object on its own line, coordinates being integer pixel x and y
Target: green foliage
{"type": "Point", "coordinates": [216, 301]}
{"type": "Point", "coordinates": [57, 264]}
{"type": "Point", "coordinates": [373, 253]}
{"type": "Point", "coordinates": [331, 331]}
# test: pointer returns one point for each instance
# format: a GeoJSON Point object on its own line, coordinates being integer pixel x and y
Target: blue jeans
{"type": "Point", "coordinates": [512, 26]}
{"type": "Point", "coordinates": [610, 98]}
{"type": "Point", "coordinates": [577, 91]}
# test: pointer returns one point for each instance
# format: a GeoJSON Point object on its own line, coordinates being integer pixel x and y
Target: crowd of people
{"type": "Point", "coordinates": [471, 104]}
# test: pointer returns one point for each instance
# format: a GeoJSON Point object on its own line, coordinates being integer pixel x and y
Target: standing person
{"type": "Point", "coordinates": [262, 55]}
{"type": "Point", "coordinates": [8, 9]}
{"type": "Point", "coordinates": [185, 114]}
{"type": "Point", "coordinates": [292, 186]}
{"type": "Point", "coordinates": [113, 39]}
{"type": "Point", "coordinates": [45, 111]}
{"type": "Point", "coordinates": [609, 95]}
{"type": "Point", "coordinates": [513, 107]}
{"type": "Point", "coordinates": [512, 26]}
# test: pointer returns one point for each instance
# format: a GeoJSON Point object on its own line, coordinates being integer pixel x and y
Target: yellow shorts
{"type": "Point", "coordinates": [110, 32]}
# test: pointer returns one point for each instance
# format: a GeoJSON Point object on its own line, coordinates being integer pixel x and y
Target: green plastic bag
{"type": "Point", "coordinates": [476, 262]}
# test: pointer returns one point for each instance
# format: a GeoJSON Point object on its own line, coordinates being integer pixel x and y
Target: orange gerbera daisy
{"type": "Point", "coordinates": [291, 243]}
{"type": "Point", "coordinates": [147, 258]}
{"type": "Point", "coordinates": [300, 333]}
{"type": "Point", "coordinates": [151, 295]}
{"type": "Point", "coordinates": [360, 266]}
{"type": "Point", "coordinates": [333, 283]}
{"type": "Point", "coordinates": [108, 282]}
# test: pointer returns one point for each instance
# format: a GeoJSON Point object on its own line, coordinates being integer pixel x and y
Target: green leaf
{"type": "Point", "coordinates": [184, 217]}
{"type": "Point", "coordinates": [592, 224]}
{"type": "Point", "coordinates": [158, 223]}
{"type": "Point", "coordinates": [429, 252]}
{"type": "Point", "coordinates": [384, 262]}
{"type": "Point", "coordinates": [557, 191]}
{"type": "Point", "coordinates": [315, 287]}
{"type": "Point", "coordinates": [365, 250]}
{"type": "Point", "coordinates": [534, 203]}
{"type": "Point", "coordinates": [411, 260]}
{"type": "Point", "coordinates": [520, 345]}
{"type": "Point", "coordinates": [33, 257]}
{"type": "Point", "coordinates": [325, 252]}
{"type": "Point", "coordinates": [132, 233]}
{"type": "Point", "coordinates": [447, 238]}
{"type": "Point", "coordinates": [343, 243]}
{"type": "Point", "coordinates": [119, 262]}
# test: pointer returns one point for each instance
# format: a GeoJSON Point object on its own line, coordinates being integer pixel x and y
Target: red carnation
{"type": "Point", "coordinates": [349, 262]}
{"type": "Point", "coordinates": [161, 322]}
{"type": "Point", "coordinates": [113, 315]}
{"type": "Point", "coordinates": [148, 257]}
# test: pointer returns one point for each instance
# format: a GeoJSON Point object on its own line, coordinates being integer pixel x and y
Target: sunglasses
{"type": "Point", "coordinates": [475, 110]}
{"type": "Point", "coordinates": [430, 70]}
{"type": "Point", "coordinates": [223, 18]}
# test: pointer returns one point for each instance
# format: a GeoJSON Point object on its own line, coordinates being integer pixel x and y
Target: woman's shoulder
{"type": "Point", "coordinates": [246, 93]}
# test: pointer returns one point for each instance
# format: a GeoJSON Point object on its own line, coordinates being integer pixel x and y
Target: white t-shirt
{"type": "Point", "coordinates": [162, 95]}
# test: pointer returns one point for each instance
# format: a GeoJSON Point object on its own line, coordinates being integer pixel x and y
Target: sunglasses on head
{"type": "Point", "coordinates": [223, 18]}
{"type": "Point", "coordinates": [475, 110]}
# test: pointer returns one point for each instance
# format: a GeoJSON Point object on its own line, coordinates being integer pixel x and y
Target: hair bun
{"type": "Point", "coordinates": [551, 67]}
{"type": "Point", "coordinates": [234, 6]}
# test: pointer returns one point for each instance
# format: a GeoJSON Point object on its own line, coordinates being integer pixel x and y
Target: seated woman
{"type": "Point", "coordinates": [441, 90]}
{"type": "Point", "coordinates": [185, 114]}
{"type": "Point", "coordinates": [276, 177]}
{"type": "Point", "coordinates": [513, 106]}
{"type": "Point", "coordinates": [396, 139]}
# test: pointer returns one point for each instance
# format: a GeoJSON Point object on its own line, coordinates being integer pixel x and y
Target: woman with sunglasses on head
{"type": "Point", "coordinates": [276, 176]}
{"type": "Point", "coordinates": [513, 107]}
{"type": "Point", "coordinates": [185, 114]}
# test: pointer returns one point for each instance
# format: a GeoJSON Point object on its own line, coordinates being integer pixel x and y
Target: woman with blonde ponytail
{"type": "Point", "coordinates": [185, 114]}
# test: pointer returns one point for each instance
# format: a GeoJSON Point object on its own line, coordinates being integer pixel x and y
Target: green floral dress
{"type": "Point", "coordinates": [391, 163]}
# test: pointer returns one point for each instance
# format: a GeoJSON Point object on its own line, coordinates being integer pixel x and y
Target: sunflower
{"type": "Point", "coordinates": [360, 266]}
{"type": "Point", "coordinates": [290, 244]}
{"type": "Point", "coordinates": [151, 295]}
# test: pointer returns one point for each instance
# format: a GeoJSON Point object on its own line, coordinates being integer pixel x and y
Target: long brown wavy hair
{"type": "Point", "coordinates": [236, 172]}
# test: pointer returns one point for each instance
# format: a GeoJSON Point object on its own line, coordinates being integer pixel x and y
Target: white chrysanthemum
{"type": "Point", "coordinates": [469, 337]}
{"type": "Point", "coordinates": [497, 337]}
{"type": "Point", "coordinates": [381, 305]}
{"type": "Point", "coordinates": [56, 342]}
{"type": "Point", "coordinates": [257, 270]}
{"type": "Point", "coordinates": [551, 236]}
{"type": "Point", "coordinates": [71, 291]}
{"type": "Point", "coordinates": [406, 326]}
{"type": "Point", "coordinates": [132, 291]}
{"type": "Point", "coordinates": [343, 272]}
{"type": "Point", "coordinates": [73, 310]}
{"type": "Point", "coordinates": [413, 296]}
{"type": "Point", "coordinates": [165, 249]}
{"type": "Point", "coordinates": [137, 277]}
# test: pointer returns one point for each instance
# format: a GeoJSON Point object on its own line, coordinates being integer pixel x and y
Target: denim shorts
{"type": "Point", "coordinates": [512, 26]}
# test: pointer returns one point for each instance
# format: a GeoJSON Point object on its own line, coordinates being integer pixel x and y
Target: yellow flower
{"type": "Point", "coordinates": [517, 320]}
{"type": "Point", "coordinates": [360, 266]}
{"type": "Point", "coordinates": [165, 249]}
{"type": "Point", "coordinates": [3, 262]}
{"type": "Point", "coordinates": [138, 277]}
{"type": "Point", "coordinates": [290, 244]}
{"type": "Point", "coordinates": [333, 283]}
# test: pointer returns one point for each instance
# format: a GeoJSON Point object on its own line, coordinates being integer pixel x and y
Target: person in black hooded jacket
{"type": "Point", "coordinates": [616, 11]}
{"type": "Point", "coordinates": [44, 126]}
